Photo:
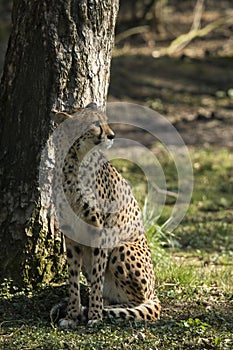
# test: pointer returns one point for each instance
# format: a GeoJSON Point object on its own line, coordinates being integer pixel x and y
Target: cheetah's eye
{"type": "Point", "coordinates": [96, 123]}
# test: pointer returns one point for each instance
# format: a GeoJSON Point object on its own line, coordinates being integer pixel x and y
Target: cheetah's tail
{"type": "Point", "coordinates": [147, 311]}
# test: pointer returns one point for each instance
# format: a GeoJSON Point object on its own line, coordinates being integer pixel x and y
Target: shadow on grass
{"type": "Point", "coordinates": [142, 76]}
{"type": "Point", "coordinates": [214, 313]}
{"type": "Point", "coordinates": [30, 308]}
{"type": "Point", "coordinates": [33, 310]}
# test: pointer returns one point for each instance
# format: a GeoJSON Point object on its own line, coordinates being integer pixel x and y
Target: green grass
{"type": "Point", "coordinates": [193, 268]}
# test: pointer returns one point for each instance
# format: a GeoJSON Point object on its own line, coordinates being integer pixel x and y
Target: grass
{"type": "Point", "coordinates": [193, 268]}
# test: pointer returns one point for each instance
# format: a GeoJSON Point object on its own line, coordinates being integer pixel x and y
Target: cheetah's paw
{"type": "Point", "coordinates": [92, 323]}
{"type": "Point", "coordinates": [67, 324]}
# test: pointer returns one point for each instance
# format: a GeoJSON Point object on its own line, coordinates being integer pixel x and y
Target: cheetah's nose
{"type": "Point", "coordinates": [111, 136]}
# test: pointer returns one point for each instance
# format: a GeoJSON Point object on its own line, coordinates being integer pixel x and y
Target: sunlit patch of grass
{"type": "Point", "coordinates": [189, 278]}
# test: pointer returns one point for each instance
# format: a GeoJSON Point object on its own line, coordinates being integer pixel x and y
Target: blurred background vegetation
{"type": "Point", "coordinates": [150, 25]}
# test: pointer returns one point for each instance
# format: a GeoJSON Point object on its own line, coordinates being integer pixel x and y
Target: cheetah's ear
{"type": "Point", "coordinates": [93, 106]}
{"type": "Point", "coordinates": [59, 117]}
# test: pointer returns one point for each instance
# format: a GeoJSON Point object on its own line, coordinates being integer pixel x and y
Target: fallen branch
{"type": "Point", "coordinates": [184, 39]}
{"type": "Point", "coordinates": [132, 31]}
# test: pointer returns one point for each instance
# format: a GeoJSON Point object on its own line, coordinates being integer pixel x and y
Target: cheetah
{"type": "Point", "coordinates": [119, 269]}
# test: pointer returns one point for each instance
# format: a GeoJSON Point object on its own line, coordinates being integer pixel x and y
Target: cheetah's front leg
{"type": "Point", "coordinates": [99, 261]}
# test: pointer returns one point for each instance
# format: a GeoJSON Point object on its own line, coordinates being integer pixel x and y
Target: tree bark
{"type": "Point", "coordinates": [58, 57]}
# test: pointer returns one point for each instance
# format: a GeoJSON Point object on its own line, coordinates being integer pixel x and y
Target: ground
{"type": "Point", "coordinates": [193, 88]}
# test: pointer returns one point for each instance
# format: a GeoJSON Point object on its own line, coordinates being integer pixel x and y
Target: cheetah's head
{"type": "Point", "coordinates": [93, 126]}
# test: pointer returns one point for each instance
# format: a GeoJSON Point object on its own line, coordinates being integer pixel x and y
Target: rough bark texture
{"type": "Point", "coordinates": [58, 57]}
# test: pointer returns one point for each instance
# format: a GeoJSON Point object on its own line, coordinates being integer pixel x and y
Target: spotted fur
{"type": "Point", "coordinates": [121, 278]}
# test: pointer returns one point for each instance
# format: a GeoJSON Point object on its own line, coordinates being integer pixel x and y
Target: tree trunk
{"type": "Point", "coordinates": [58, 57]}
